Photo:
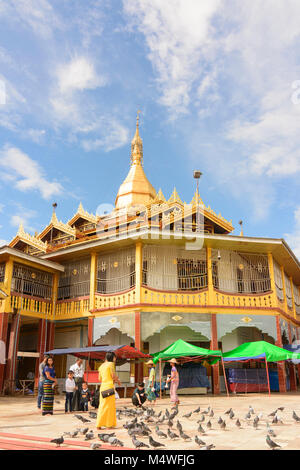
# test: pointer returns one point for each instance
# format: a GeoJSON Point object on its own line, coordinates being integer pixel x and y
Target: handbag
{"type": "Point", "coordinates": [108, 393]}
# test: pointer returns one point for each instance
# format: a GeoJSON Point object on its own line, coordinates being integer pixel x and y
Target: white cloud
{"type": "Point", "coordinates": [178, 34]}
{"type": "Point", "coordinates": [78, 74]}
{"type": "Point", "coordinates": [293, 238]}
{"type": "Point", "coordinates": [26, 173]}
{"type": "Point", "coordinates": [115, 136]}
{"type": "Point", "coordinates": [35, 15]}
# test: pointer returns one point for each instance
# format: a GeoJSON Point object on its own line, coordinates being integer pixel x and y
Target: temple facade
{"type": "Point", "coordinates": [153, 270]}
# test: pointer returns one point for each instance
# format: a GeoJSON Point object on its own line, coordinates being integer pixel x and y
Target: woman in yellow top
{"type": "Point", "coordinates": [107, 406]}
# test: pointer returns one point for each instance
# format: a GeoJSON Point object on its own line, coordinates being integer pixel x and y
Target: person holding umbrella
{"type": "Point", "coordinates": [174, 379]}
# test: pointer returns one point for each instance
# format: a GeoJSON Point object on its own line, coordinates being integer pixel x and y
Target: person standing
{"type": "Point", "coordinates": [49, 383]}
{"type": "Point", "coordinates": [85, 397]}
{"type": "Point", "coordinates": [41, 382]}
{"type": "Point", "coordinates": [150, 390]}
{"type": "Point", "coordinates": [107, 407]}
{"type": "Point", "coordinates": [174, 379]}
{"type": "Point", "coordinates": [78, 371]}
{"type": "Point", "coordinates": [70, 387]}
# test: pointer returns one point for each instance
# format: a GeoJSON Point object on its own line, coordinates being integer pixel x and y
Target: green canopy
{"type": "Point", "coordinates": [182, 349]}
{"type": "Point", "coordinates": [259, 350]}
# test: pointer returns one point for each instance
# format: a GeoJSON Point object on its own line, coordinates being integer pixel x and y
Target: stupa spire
{"type": "Point", "coordinates": [136, 156]}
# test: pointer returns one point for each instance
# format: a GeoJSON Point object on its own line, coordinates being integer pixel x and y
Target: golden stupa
{"type": "Point", "coordinates": [136, 189]}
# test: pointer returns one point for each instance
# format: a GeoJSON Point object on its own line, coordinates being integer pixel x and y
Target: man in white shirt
{"type": "Point", "coordinates": [78, 371]}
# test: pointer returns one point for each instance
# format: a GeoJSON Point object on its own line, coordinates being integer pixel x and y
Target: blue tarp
{"type": "Point", "coordinates": [247, 376]}
{"type": "Point", "coordinates": [191, 374]}
{"type": "Point", "coordinates": [293, 348]}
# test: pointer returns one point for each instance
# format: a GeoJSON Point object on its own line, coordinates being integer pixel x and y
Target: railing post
{"type": "Point", "coordinates": [272, 279]}
{"type": "Point", "coordinates": [93, 278]}
{"type": "Point", "coordinates": [284, 288]}
{"type": "Point", "coordinates": [209, 276]}
{"type": "Point", "coordinates": [138, 271]}
{"type": "Point", "coordinates": [7, 284]}
{"type": "Point", "coordinates": [293, 297]}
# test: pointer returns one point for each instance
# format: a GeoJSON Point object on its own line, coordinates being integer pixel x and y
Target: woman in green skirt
{"type": "Point", "coordinates": [150, 391]}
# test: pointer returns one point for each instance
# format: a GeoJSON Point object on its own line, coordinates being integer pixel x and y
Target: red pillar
{"type": "Point", "coordinates": [90, 331]}
{"type": "Point", "coordinates": [292, 369]}
{"type": "Point", "coordinates": [214, 345]}
{"type": "Point", "coordinates": [138, 345]}
{"type": "Point", "coordinates": [50, 335]}
{"type": "Point", "coordinates": [3, 337]}
{"type": "Point", "coordinates": [13, 350]}
{"type": "Point", "coordinates": [41, 348]}
{"type": "Point", "coordinates": [280, 364]}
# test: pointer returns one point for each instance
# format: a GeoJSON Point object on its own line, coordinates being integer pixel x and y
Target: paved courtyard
{"type": "Point", "coordinates": [22, 425]}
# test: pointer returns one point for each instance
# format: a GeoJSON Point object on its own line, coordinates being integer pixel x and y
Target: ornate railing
{"type": "Point", "coordinates": [28, 304]}
{"type": "Point", "coordinates": [74, 308]}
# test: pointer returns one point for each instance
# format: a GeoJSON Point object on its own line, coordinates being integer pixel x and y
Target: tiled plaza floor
{"type": "Point", "coordinates": [20, 417]}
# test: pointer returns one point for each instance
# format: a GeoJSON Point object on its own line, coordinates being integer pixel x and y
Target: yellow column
{"type": "Point", "coordinates": [93, 278]}
{"type": "Point", "coordinates": [138, 271]}
{"type": "Point", "coordinates": [7, 284]}
{"type": "Point", "coordinates": [283, 288]}
{"type": "Point", "coordinates": [272, 279]}
{"type": "Point", "coordinates": [209, 276]}
{"type": "Point", "coordinates": [293, 298]}
{"type": "Point", "coordinates": [54, 294]}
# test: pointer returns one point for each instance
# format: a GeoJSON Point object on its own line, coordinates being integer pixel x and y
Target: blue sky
{"type": "Point", "coordinates": [218, 84]}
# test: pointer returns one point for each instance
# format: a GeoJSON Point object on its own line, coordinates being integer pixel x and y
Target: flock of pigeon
{"type": "Point", "coordinates": [139, 421]}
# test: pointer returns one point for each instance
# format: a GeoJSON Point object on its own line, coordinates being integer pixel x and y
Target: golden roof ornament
{"type": "Point", "coordinates": [136, 156]}
{"type": "Point", "coordinates": [136, 190]}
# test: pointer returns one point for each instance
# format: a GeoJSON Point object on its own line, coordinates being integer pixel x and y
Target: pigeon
{"type": "Point", "coordinates": [179, 425]}
{"type": "Point", "coordinates": [84, 430]}
{"type": "Point", "coordinates": [296, 417]}
{"type": "Point", "coordinates": [115, 442]}
{"type": "Point", "coordinates": [170, 423]}
{"type": "Point", "coordinates": [220, 421]}
{"type": "Point", "coordinates": [223, 425]}
{"type": "Point", "coordinates": [84, 420]}
{"type": "Point", "coordinates": [208, 425]}
{"type": "Point", "coordinates": [58, 441]}
{"type": "Point", "coordinates": [200, 429]}
{"type": "Point", "coordinates": [104, 436]}
{"type": "Point", "coordinates": [255, 424]}
{"type": "Point", "coordinates": [160, 433]}
{"type": "Point", "coordinates": [95, 446]}
{"type": "Point", "coordinates": [188, 415]}
{"type": "Point", "coordinates": [89, 436]}
{"type": "Point", "coordinates": [271, 443]}
{"type": "Point", "coordinates": [273, 413]}
{"type": "Point", "coordinates": [270, 431]}
{"type": "Point", "coordinates": [159, 414]}
{"type": "Point", "coordinates": [138, 443]}
{"type": "Point", "coordinates": [154, 443]}
{"type": "Point", "coordinates": [251, 410]}
{"type": "Point", "coordinates": [275, 420]}
{"type": "Point", "coordinates": [228, 411]}
{"type": "Point", "coordinates": [211, 413]}
{"type": "Point", "coordinates": [281, 408]}
{"type": "Point", "coordinates": [184, 436]}
{"type": "Point", "coordinates": [92, 415]}
{"type": "Point", "coordinates": [57, 402]}
{"type": "Point", "coordinates": [238, 423]}
{"type": "Point", "coordinates": [211, 446]}
{"type": "Point", "coordinates": [231, 414]}
{"type": "Point", "coordinates": [197, 410]}
{"type": "Point", "coordinates": [167, 413]}
{"type": "Point", "coordinates": [199, 441]}
{"type": "Point", "coordinates": [205, 412]}
{"type": "Point", "coordinates": [248, 415]}
{"type": "Point", "coordinates": [172, 435]}
{"type": "Point", "coordinates": [201, 419]}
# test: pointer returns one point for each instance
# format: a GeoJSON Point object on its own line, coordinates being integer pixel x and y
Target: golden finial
{"type": "Point", "coordinates": [136, 156]}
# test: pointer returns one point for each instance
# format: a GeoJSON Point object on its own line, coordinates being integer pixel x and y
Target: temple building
{"type": "Point", "coordinates": [153, 270]}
